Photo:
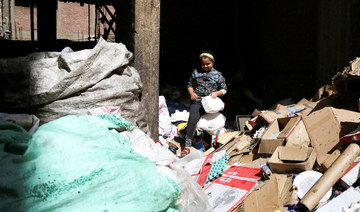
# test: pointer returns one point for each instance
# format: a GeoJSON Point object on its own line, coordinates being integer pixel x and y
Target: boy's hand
{"type": "Point", "coordinates": [193, 96]}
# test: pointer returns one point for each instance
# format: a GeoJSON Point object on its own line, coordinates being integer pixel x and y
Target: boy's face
{"type": "Point", "coordinates": [206, 64]}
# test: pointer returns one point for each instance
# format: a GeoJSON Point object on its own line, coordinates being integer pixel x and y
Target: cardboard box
{"type": "Point", "coordinates": [295, 133]}
{"type": "Point", "coordinates": [270, 141]}
{"type": "Point", "coordinates": [288, 155]}
{"type": "Point", "coordinates": [326, 126]}
{"type": "Point", "coordinates": [279, 165]}
{"type": "Point", "coordinates": [291, 132]}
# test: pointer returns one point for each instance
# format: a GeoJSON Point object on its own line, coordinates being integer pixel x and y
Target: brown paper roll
{"type": "Point", "coordinates": [333, 174]}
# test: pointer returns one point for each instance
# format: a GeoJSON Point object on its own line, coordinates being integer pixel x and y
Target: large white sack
{"type": "Point", "coordinates": [212, 105]}
{"type": "Point", "coordinates": [51, 85]}
{"type": "Point", "coordinates": [212, 121]}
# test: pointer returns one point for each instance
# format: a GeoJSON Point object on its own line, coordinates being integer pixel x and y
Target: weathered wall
{"type": "Point", "coordinates": [146, 49]}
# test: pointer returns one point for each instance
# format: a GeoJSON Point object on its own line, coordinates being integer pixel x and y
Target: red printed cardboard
{"type": "Point", "coordinates": [243, 172]}
{"type": "Point", "coordinates": [225, 193]}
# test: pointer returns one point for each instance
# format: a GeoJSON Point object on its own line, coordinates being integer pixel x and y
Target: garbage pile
{"type": "Point", "coordinates": [90, 154]}
{"type": "Point", "coordinates": [300, 157]}
{"type": "Point", "coordinates": [84, 148]}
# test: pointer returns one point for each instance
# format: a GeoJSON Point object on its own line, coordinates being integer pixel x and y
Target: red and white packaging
{"type": "Point", "coordinates": [243, 173]}
{"type": "Point", "coordinates": [227, 192]}
{"type": "Point", "coordinates": [201, 176]}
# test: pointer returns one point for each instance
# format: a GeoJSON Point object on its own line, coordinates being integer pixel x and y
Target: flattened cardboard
{"type": "Point", "coordinates": [224, 138]}
{"type": "Point", "coordinates": [257, 163]}
{"type": "Point", "coordinates": [246, 159]}
{"type": "Point", "coordinates": [209, 151]}
{"type": "Point", "coordinates": [326, 126]}
{"type": "Point", "coordinates": [265, 199]}
{"type": "Point", "coordinates": [287, 193]}
{"type": "Point", "coordinates": [278, 166]}
{"type": "Point", "coordinates": [293, 154]}
{"type": "Point", "coordinates": [271, 116]}
{"type": "Point", "coordinates": [243, 143]}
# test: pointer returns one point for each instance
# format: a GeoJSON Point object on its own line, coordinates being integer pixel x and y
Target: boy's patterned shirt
{"type": "Point", "coordinates": [204, 83]}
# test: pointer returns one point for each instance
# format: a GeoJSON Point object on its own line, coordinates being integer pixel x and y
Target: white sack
{"type": "Point", "coordinates": [51, 85]}
{"type": "Point", "coordinates": [212, 121]}
{"type": "Point", "coordinates": [212, 105]}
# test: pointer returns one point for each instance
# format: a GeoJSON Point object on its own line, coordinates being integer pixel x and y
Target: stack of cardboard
{"type": "Point", "coordinates": [302, 137]}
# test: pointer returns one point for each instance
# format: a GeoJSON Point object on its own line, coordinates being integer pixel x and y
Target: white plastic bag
{"type": "Point", "coordinates": [165, 126]}
{"type": "Point", "coordinates": [212, 105]}
{"type": "Point", "coordinates": [192, 197]}
{"type": "Point", "coordinates": [212, 121]}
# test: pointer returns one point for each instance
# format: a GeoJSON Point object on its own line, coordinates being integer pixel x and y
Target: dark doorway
{"type": "Point", "coordinates": [265, 49]}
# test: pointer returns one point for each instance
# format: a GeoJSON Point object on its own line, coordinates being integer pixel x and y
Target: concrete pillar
{"type": "Point", "coordinates": [147, 49]}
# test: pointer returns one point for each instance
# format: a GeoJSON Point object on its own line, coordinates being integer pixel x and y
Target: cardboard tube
{"type": "Point", "coordinates": [333, 174]}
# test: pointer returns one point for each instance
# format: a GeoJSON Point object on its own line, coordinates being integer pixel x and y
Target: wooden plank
{"type": "Point", "coordinates": [146, 58]}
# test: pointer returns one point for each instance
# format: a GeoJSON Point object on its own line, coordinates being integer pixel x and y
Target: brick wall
{"type": "Point", "coordinates": [22, 23]}
{"type": "Point", "coordinates": [72, 21]}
